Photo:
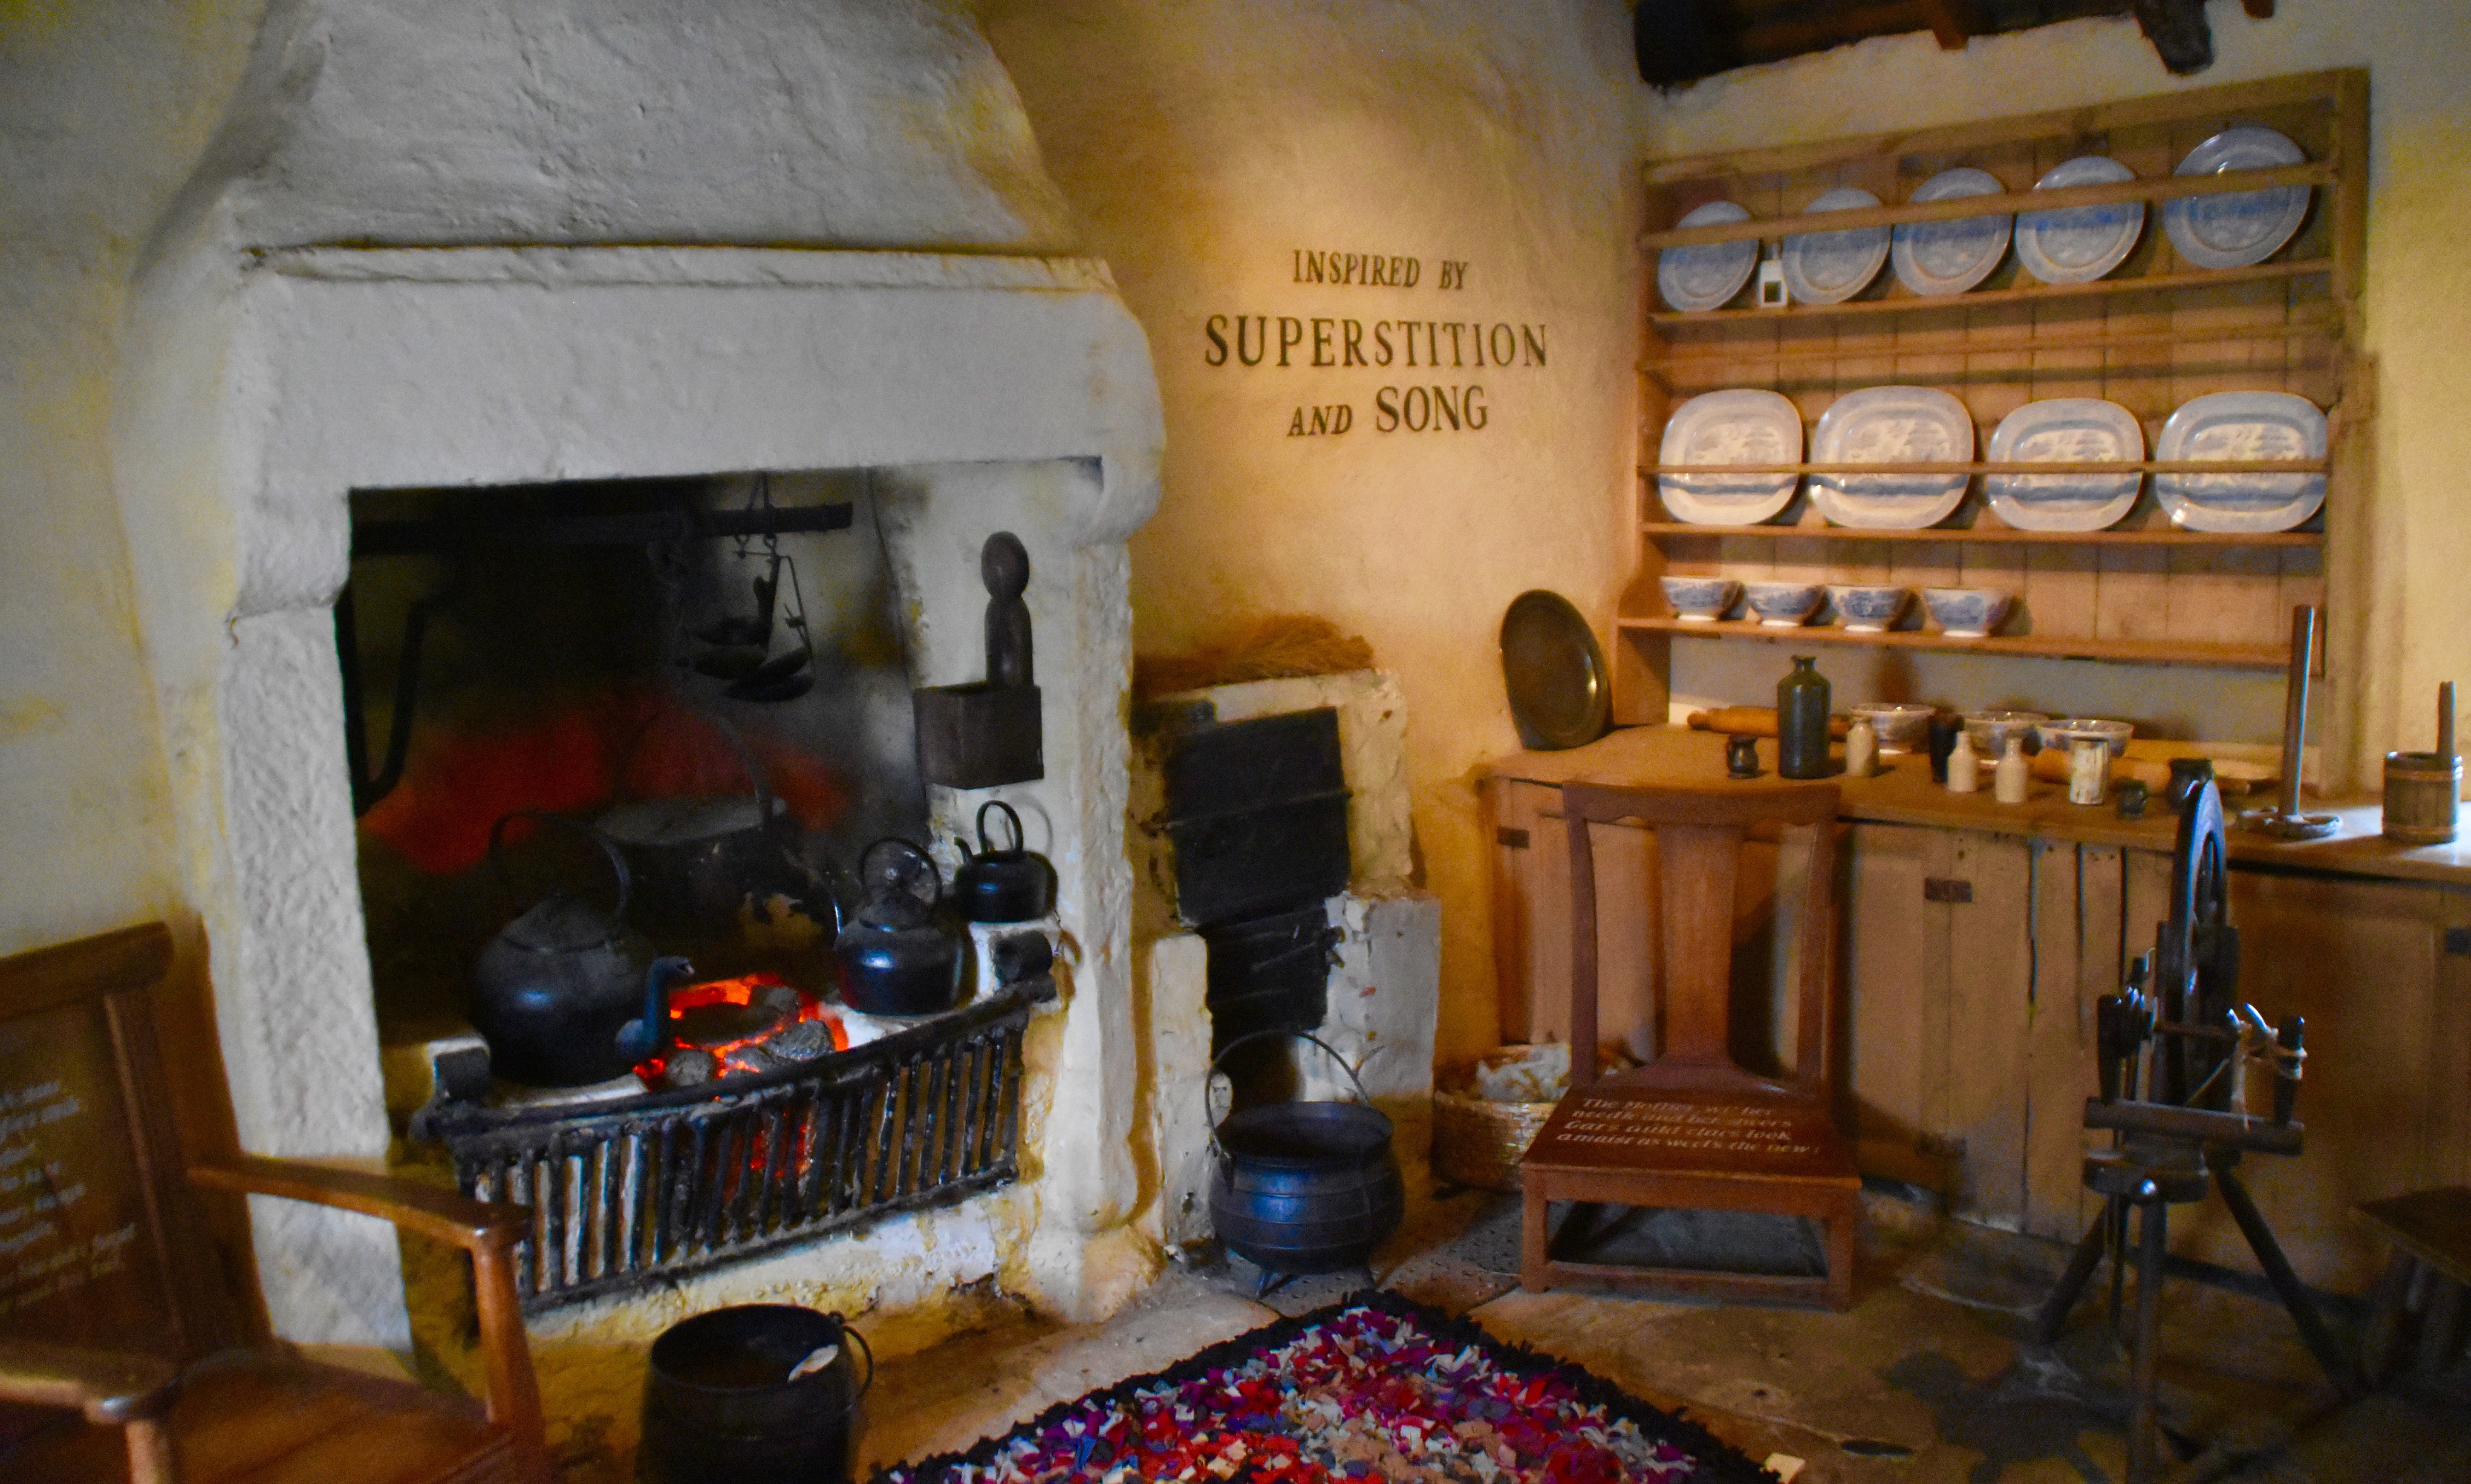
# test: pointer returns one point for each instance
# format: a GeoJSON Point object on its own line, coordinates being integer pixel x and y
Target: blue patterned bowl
{"type": "Point", "coordinates": [1966, 612]}
{"type": "Point", "coordinates": [1867, 610]}
{"type": "Point", "coordinates": [1701, 600]}
{"type": "Point", "coordinates": [1783, 604]}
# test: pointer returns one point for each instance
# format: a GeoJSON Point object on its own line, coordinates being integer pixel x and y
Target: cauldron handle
{"type": "Point", "coordinates": [1211, 1114]}
{"type": "Point", "coordinates": [866, 1350]}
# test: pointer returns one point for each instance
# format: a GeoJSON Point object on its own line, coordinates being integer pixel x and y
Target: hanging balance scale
{"type": "Point", "coordinates": [738, 648]}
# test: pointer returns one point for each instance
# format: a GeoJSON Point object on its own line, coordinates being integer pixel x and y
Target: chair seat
{"type": "Point", "coordinates": [1633, 1127]}
{"type": "Point", "coordinates": [272, 1417]}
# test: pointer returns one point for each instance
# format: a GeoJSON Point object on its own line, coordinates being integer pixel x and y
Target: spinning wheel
{"type": "Point", "coordinates": [2176, 1050]}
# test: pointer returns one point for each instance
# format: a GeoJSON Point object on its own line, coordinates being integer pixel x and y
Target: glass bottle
{"type": "Point", "coordinates": [1801, 720]}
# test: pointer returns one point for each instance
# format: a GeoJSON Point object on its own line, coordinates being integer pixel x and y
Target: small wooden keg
{"type": "Point", "coordinates": [2420, 791]}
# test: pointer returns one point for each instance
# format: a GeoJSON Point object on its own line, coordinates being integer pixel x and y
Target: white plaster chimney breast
{"type": "Point", "coordinates": [481, 242]}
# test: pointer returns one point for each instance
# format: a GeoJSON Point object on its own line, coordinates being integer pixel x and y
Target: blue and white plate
{"type": "Point", "coordinates": [2232, 425]}
{"type": "Point", "coordinates": [2240, 227]}
{"type": "Point", "coordinates": [1707, 275]}
{"type": "Point", "coordinates": [2066, 430]}
{"type": "Point", "coordinates": [1949, 257]}
{"type": "Point", "coordinates": [1890, 425]}
{"type": "Point", "coordinates": [2079, 243]}
{"type": "Point", "coordinates": [1741, 425]}
{"type": "Point", "coordinates": [1829, 267]}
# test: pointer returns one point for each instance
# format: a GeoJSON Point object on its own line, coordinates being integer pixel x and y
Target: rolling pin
{"type": "Point", "coordinates": [1752, 721]}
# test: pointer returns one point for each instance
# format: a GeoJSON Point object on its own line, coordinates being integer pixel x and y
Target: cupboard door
{"type": "Point", "coordinates": [2381, 1094]}
{"type": "Point", "coordinates": [1940, 973]}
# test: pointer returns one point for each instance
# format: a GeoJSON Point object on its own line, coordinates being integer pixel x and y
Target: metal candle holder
{"type": "Point", "coordinates": [2286, 821]}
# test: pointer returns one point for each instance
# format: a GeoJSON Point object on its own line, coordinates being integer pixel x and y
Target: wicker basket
{"type": "Point", "coordinates": [1477, 1141]}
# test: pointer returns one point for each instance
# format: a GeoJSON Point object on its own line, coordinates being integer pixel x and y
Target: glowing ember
{"type": "Point", "coordinates": [750, 1024]}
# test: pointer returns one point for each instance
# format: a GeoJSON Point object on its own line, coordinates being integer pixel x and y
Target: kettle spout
{"type": "Point", "coordinates": [638, 1039]}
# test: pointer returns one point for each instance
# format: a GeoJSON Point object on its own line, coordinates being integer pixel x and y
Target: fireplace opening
{"type": "Point", "coordinates": [707, 670]}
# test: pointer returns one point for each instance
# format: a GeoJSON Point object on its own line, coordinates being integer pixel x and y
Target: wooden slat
{"type": "Point", "coordinates": [2004, 534]}
{"type": "Point", "coordinates": [2128, 650]}
{"type": "Point", "coordinates": [2046, 467]}
{"type": "Point", "coordinates": [1961, 208]}
{"type": "Point", "coordinates": [1989, 1024]}
{"type": "Point", "coordinates": [2030, 293]}
{"type": "Point", "coordinates": [1889, 941]}
{"type": "Point", "coordinates": [2058, 1061]}
{"type": "Point", "coordinates": [2066, 125]}
{"type": "Point", "coordinates": [87, 969]}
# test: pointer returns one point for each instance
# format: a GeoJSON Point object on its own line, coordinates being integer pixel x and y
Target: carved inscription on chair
{"type": "Point", "coordinates": [1710, 1128]}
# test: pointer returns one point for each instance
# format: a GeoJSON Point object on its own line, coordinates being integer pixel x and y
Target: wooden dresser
{"type": "Point", "coordinates": [1976, 937]}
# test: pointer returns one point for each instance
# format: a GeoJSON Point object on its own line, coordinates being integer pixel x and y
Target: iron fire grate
{"type": "Point", "coordinates": [626, 1193]}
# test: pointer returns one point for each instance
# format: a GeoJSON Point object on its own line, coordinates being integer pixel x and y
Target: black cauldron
{"type": "Point", "coordinates": [1304, 1188]}
{"type": "Point", "coordinates": [721, 1405]}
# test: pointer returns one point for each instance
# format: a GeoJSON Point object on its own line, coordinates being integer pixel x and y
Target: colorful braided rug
{"type": "Point", "coordinates": [1374, 1389]}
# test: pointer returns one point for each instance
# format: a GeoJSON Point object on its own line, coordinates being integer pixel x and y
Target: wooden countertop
{"type": "Point", "coordinates": [1904, 794]}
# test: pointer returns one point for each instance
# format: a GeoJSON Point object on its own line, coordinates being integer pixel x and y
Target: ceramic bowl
{"type": "Point", "coordinates": [1966, 612]}
{"type": "Point", "coordinates": [1783, 604]}
{"type": "Point", "coordinates": [1701, 600]}
{"type": "Point", "coordinates": [2063, 733]}
{"type": "Point", "coordinates": [1904, 726]}
{"type": "Point", "coordinates": [1990, 730]}
{"type": "Point", "coordinates": [1867, 610]}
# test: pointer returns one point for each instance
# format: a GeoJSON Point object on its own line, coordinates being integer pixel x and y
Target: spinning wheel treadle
{"type": "Point", "coordinates": [2176, 1046]}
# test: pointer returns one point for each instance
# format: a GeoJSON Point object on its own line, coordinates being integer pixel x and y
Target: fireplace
{"type": "Point", "coordinates": [594, 256]}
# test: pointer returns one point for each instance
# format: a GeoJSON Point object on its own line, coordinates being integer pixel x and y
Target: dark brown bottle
{"type": "Point", "coordinates": [1801, 720]}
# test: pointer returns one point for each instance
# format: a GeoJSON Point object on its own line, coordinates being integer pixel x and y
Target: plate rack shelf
{"type": "Point", "coordinates": [2155, 333]}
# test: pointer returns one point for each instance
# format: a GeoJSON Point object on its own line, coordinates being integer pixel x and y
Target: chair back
{"type": "Point", "coordinates": [1699, 832]}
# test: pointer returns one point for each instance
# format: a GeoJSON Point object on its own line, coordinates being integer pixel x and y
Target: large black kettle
{"type": "Point", "coordinates": [901, 953]}
{"type": "Point", "coordinates": [555, 988]}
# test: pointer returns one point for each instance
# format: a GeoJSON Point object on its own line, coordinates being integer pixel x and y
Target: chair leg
{"type": "Point", "coordinates": [1841, 1226]}
{"type": "Point", "coordinates": [1532, 1237]}
{"type": "Point", "coordinates": [2440, 1325]}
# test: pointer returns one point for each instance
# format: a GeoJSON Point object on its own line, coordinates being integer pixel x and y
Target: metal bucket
{"type": "Point", "coordinates": [721, 1405]}
{"type": "Point", "coordinates": [1304, 1188]}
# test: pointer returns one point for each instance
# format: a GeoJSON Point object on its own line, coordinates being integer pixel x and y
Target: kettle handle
{"type": "Point", "coordinates": [1018, 839]}
{"type": "Point", "coordinates": [617, 913]}
{"type": "Point", "coordinates": [933, 875]}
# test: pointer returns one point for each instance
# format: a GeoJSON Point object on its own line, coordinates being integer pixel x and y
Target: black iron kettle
{"type": "Point", "coordinates": [555, 988]}
{"type": "Point", "coordinates": [901, 953]}
{"type": "Point", "coordinates": [1010, 885]}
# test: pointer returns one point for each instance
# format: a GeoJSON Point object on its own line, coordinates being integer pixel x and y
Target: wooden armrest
{"type": "Point", "coordinates": [441, 1215]}
{"type": "Point", "coordinates": [109, 1386]}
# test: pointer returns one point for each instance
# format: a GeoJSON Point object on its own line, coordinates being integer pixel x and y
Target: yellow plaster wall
{"type": "Point", "coordinates": [104, 105]}
{"type": "Point", "coordinates": [1206, 142]}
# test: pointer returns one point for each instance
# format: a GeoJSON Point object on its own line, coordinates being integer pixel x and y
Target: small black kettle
{"type": "Point", "coordinates": [901, 953]}
{"type": "Point", "coordinates": [1009, 885]}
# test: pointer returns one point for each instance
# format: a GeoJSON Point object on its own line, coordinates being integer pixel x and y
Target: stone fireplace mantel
{"type": "Point", "coordinates": [994, 393]}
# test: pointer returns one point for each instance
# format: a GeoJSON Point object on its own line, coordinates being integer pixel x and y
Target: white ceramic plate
{"type": "Point", "coordinates": [1949, 257]}
{"type": "Point", "coordinates": [1829, 267]}
{"type": "Point", "coordinates": [2242, 425]}
{"type": "Point", "coordinates": [1744, 425]}
{"type": "Point", "coordinates": [1890, 425]}
{"type": "Point", "coordinates": [2079, 244]}
{"type": "Point", "coordinates": [2245, 227]}
{"type": "Point", "coordinates": [1707, 276]}
{"type": "Point", "coordinates": [2066, 430]}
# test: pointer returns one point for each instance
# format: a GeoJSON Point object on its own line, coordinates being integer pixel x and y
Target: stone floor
{"type": "Point", "coordinates": [1919, 1383]}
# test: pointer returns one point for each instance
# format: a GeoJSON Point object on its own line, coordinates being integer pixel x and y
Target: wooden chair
{"type": "Point", "coordinates": [1693, 1129]}
{"type": "Point", "coordinates": [111, 1305]}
